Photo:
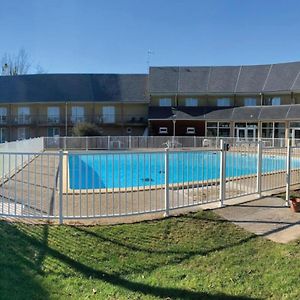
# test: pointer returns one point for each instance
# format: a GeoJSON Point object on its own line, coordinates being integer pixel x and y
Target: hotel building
{"type": "Point", "coordinates": [247, 102]}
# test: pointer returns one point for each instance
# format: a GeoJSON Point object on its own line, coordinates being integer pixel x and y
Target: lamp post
{"type": "Point", "coordinates": [174, 126]}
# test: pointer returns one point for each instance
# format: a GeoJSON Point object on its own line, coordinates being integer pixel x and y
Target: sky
{"type": "Point", "coordinates": [115, 36]}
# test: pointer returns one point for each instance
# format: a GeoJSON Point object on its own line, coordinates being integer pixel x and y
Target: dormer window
{"type": "Point", "coordinates": [223, 102]}
{"type": "Point", "coordinates": [191, 102]}
{"type": "Point", "coordinates": [250, 101]}
{"type": "Point", "coordinates": [165, 102]}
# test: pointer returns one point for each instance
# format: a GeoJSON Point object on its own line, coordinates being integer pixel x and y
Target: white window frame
{"type": "Point", "coordinates": [53, 113]}
{"type": "Point", "coordinates": [250, 101]}
{"type": "Point", "coordinates": [77, 114]}
{"type": "Point", "coordinates": [190, 130]}
{"type": "Point", "coordinates": [223, 102]}
{"type": "Point", "coordinates": [108, 114]}
{"type": "Point", "coordinates": [165, 102]}
{"type": "Point", "coordinates": [23, 115]}
{"type": "Point", "coordinates": [163, 130]}
{"type": "Point", "coordinates": [192, 102]}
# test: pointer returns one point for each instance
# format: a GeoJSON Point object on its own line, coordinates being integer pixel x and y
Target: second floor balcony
{"type": "Point", "coordinates": [55, 120]}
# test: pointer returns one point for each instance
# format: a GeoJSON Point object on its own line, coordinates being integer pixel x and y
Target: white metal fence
{"type": "Point", "coordinates": [67, 185]}
{"type": "Point", "coordinates": [146, 142]}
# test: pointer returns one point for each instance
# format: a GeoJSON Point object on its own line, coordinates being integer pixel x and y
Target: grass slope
{"type": "Point", "coordinates": [197, 256]}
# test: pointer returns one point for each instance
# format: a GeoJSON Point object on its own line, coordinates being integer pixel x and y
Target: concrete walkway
{"type": "Point", "coordinates": [267, 217]}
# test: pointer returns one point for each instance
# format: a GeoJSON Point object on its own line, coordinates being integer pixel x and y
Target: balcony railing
{"type": "Point", "coordinates": [54, 120]}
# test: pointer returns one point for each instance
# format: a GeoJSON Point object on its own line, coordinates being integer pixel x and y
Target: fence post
{"type": "Point", "coordinates": [259, 168]}
{"type": "Point", "coordinates": [222, 172]}
{"type": "Point", "coordinates": [288, 173]}
{"type": "Point", "coordinates": [129, 142]}
{"type": "Point", "coordinates": [194, 141]}
{"type": "Point", "coordinates": [108, 142]}
{"type": "Point", "coordinates": [86, 144]}
{"type": "Point", "coordinates": [65, 143]}
{"type": "Point", "coordinates": [167, 200]}
{"type": "Point", "coordinates": [60, 187]}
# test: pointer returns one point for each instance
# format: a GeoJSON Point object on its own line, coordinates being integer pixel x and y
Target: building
{"type": "Point", "coordinates": [51, 104]}
{"type": "Point", "coordinates": [246, 102]}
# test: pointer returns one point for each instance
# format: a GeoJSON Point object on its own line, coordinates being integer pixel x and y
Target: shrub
{"type": "Point", "coordinates": [86, 129]}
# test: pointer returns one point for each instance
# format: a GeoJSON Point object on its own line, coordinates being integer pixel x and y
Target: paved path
{"type": "Point", "coordinates": [268, 217]}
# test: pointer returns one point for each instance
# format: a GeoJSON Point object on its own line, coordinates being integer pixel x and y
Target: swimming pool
{"type": "Point", "coordinates": [128, 170]}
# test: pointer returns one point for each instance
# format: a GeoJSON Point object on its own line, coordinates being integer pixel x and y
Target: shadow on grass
{"type": "Point", "coordinates": [18, 271]}
{"type": "Point", "coordinates": [18, 246]}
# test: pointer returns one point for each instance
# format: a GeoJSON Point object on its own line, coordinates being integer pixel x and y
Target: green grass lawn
{"type": "Point", "coordinates": [197, 256]}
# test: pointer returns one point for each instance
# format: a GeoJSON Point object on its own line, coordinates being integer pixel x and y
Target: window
{"type": "Point", "coordinates": [191, 102]}
{"type": "Point", "coordinates": [276, 101]}
{"type": "Point", "coordinates": [223, 102]}
{"type": "Point", "coordinates": [53, 131]}
{"type": "Point", "coordinates": [3, 115]}
{"type": "Point", "coordinates": [250, 102]}
{"type": "Point", "coordinates": [53, 114]}
{"type": "Point", "coordinates": [23, 115]}
{"type": "Point", "coordinates": [190, 130]}
{"type": "Point", "coordinates": [163, 130]}
{"type": "Point", "coordinates": [23, 133]}
{"type": "Point", "coordinates": [77, 114]}
{"type": "Point", "coordinates": [217, 129]}
{"type": "Point", "coordinates": [108, 114]}
{"type": "Point", "coordinates": [165, 102]}
{"type": "Point", "coordinates": [272, 101]}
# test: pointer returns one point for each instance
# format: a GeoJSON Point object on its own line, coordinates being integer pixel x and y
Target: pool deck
{"type": "Point", "coordinates": [268, 217]}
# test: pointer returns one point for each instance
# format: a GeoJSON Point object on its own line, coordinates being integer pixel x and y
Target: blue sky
{"type": "Point", "coordinates": [113, 36]}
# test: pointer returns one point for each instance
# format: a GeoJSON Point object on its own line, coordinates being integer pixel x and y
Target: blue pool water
{"type": "Point", "coordinates": [120, 170]}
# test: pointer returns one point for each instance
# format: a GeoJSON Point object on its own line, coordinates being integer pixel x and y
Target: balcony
{"type": "Point", "coordinates": [21, 120]}
{"type": "Point", "coordinates": [47, 120]}
{"type": "Point", "coordinates": [110, 119]}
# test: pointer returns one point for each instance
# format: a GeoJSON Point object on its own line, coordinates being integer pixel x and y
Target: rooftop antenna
{"type": "Point", "coordinates": [149, 53]}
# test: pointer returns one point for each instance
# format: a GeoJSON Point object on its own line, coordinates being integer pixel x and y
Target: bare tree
{"type": "Point", "coordinates": [16, 64]}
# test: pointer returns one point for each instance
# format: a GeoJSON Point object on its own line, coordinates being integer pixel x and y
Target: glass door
{"type": "Point", "coordinates": [241, 133]}
{"type": "Point", "coordinates": [251, 134]}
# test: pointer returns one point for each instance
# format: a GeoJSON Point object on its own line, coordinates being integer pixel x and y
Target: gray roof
{"type": "Point", "coordinates": [254, 79]}
{"type": "Point", "coordinates": [74, 87]}
{"type": "Point", "coordinates": [237, 114]}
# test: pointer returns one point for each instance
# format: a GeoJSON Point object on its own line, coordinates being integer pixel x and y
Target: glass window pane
{"type": "Point", "coordinates": [165, 102]}
{"type": "Point", "coordinates": [250, 101]}
{"type": "Point", "coordinates": [223, 124]}
{"type": "Point", "coordinates": [212, 124]}
{"type": "Point", "coordinates": [212, 132]}
{"type": "Point", "coordinates": [224, 132]}
{"type": "Point", "coordinates": [223, 102]}
{"type": "Point", "coordinates": [276, 101]}
{"type": "Point", "coordinates": [191, 102]}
